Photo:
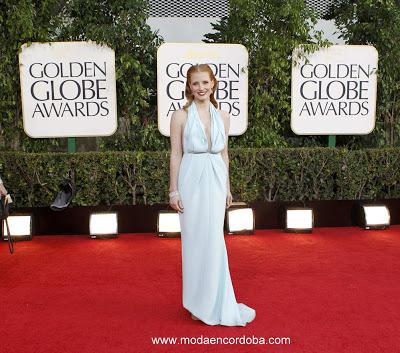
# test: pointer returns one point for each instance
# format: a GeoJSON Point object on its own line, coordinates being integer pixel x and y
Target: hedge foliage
{"type": "Point", "coordinates": [377, 23]}
{"type": "Point", "coordinates": [130, 178]}
{"type": "Point", "coordinates": [270, 30]}
{"type": "Point", "coordinates": [120, 24]}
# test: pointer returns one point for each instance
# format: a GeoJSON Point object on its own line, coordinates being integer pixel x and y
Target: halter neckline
{"type": "Point", "coordinates": [195, 137]}
{"type": "Point", "coordinates": [203, 128]}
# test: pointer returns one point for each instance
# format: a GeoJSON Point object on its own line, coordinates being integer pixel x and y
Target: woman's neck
{"type": "Point", "coordinates": [203, 105]}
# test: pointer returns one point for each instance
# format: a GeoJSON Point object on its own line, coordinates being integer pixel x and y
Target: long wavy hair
{"type": "Point", "coordinates": [188, 93]}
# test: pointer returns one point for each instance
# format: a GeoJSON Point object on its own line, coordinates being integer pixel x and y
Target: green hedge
{"type": "Point", "coordinates": [129, 178]}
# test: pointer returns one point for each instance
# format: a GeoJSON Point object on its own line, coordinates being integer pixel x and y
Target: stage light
{"type": "Point", "coordinates": [168, 224]}
{"type": "Point", "coordinates": [376, 216]}
{"type": "Point", "coordinates": [240, 219]}
{"type": "Point", "coordinates": [103, 225]}
{"type": "Point", "coordinates": [299, 220]}
{"type": "Point", "coordinates": [20, 227]}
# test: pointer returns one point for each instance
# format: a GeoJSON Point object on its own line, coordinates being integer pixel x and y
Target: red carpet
{"type": "Point", "coordinates": [336, 290]}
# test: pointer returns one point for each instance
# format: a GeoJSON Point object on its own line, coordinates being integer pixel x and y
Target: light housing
{"type": "Point", "coordinates": [375, 216]}
{"type": "Point", "coordinates": [240, 219]}
{"type": "Point", "coordinates": [168, 224]}
{"type": "Point", "coordinates": [20, 227]}
{"type": "Point", "coordinates": [299, 220]}
{"type": "Point", "coordinates": [103, 225]}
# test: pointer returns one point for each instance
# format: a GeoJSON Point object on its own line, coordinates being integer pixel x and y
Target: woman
{"type": "Point", "coordinates": [200, 191]}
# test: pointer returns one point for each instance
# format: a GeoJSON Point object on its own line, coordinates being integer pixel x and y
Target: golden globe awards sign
{"type": "Point", "coordinates": [68, 89]}
{"type": "Point", "coordinates": [229, 64]}
{"type": "Point", "coordinates": [334, 92]}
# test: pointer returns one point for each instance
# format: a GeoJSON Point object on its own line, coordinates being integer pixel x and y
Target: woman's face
{"type": "Point", "coordinates": [201, 85]}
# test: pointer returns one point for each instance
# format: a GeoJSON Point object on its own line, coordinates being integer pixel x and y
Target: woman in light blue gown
{"type": "Point", "coordinates": [200, 192]}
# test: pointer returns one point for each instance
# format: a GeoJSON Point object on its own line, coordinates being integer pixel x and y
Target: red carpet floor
{"type": "Point", "coordinates": [336, 290]}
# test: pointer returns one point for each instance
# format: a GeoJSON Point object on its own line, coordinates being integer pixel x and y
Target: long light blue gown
{"type": "Point", "coordinates": [202, 183]}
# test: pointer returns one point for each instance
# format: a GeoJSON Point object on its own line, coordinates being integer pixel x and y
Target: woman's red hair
{"type": "Point", "coordinates": [188, 93]}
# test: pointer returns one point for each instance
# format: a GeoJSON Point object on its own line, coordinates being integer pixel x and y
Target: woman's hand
{"type": "Point", "coordinates": [228, 199]}
{"type": "Point", "coordinates": [176, 203]}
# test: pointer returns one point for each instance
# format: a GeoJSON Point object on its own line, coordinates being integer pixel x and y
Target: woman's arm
{"type": "Point", "coordinates": [3, 190]}
{"type": "Point", "coordinates": [176, 149]}
{"type": "Point", "coordinates": [176, 126]}
{"type": "Point", "coordinates": [225, 156]}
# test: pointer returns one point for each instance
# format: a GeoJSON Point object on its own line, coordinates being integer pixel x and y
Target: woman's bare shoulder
{"type": "Point", "coordinates": [179, 112]}
{"type": "Point", "coordinates": [224, 115]}
{"type": "Point", "coordinates": [179, 116]}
